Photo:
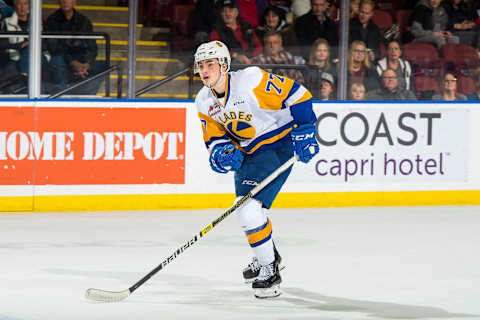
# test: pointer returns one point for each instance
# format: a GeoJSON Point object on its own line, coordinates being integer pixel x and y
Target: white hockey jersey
{"type": "Point", "coordinates": [255, 111]}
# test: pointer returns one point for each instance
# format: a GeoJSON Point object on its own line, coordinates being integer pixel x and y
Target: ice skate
{"type": "Point", "coordinates": [250, 273]}
{"type": "Point", "coordinates": [267, 284]}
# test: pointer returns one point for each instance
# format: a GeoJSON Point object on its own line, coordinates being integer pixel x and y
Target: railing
{"type": "Point", "coordinates": [158, 83]}
{"type": "Point", "coordinates": [234, 67]}
{"type": "Point", "coordinates": [73, 35]}
{"type": "Point", "coordinates": [89, 79]}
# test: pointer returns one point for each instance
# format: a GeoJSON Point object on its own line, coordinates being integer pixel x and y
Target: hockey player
{"type": "Point", "coordinates": [253, 121]}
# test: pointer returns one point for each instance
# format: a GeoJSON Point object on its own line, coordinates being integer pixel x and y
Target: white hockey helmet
{"type": "Point", "coordinates": [212, 50]}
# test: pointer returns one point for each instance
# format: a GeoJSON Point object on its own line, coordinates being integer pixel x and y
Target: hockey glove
{"type": "Point", "coordinates": [225, 157]}
{"type": "Point", "coordinates": [306, 146]}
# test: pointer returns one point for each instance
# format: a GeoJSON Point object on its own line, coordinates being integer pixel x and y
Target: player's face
{"type": "Point", "coordinates": [209, 71]}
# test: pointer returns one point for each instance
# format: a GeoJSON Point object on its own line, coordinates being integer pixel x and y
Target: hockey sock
{"type": "Point", "coordinates": [258, 229]}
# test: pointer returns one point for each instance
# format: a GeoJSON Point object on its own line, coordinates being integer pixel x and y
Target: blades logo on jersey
{"type": "Point", "coordinates": [241, 130]}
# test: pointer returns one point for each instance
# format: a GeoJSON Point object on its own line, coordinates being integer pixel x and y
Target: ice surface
{"type": "Point", "coordinates": [341, 264]}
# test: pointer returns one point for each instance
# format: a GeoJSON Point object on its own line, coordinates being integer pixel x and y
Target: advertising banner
{"type": "Point", "coordinates": [91, 145]}
{"type": "Point", "coordinates": [390, 144]}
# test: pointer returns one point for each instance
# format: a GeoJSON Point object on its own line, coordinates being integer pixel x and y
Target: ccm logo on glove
{"type": "Point", "coordinates": [303, 137]}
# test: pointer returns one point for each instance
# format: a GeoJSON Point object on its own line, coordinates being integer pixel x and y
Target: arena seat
{"type": "Point", "coordinates": [460, 58]}
{"type": "Point", "coordinates": [425, 87]}
{"type": "Point", "coordinates": [402, 17]}
{"type": "Point", "coordinates": [181, 27]}
{"type": "Point", "coordinates": [424, 59]}
{"type": "Point", "coordinates": [466, 85]}
{"type": "Point", "coordinates": [382, 19]}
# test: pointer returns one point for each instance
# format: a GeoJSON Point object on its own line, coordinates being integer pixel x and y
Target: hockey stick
{"type": "Point", "coordinates": [114, 296]}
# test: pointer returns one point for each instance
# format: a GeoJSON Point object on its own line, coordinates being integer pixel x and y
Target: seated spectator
{"type": "Point", "coordinates": [359, 66]}
{"type": "Point", "coordinates": [72, 59]}
{"type": "Point", "coordinates": [206, 15]}
{"type": "Point", "coordinates": [328, 87]}
{"type": "Point", "coordinates": [464, 22]}
{"type": "Point", "coordinates": [363, 29]}
{"type": "Point", "coordinates": [476, 94]}
{"type": "Point", "coordinates": [354, 9]}
{"type": "Point", "coordinates": [274, 19]}
{"type": "Point", "coordinates": [273, 53]}
{"type": "Point", "coordinates": [390, 89]}
{"type": "Point", "coordinates": [17, 47]}
{"type": "Point", "coordinates": [430, 23]}
{"type": "Point", "coordinates": [300, 7]}
{"type": "Point", "coordinates": [318, 63]}
{"type": "Point", "coordinates": [357, 91]}
{"type": "Point", "coordinates": [5, 10]}
{"type": "Point", "coordinates": [237, 34]}
{"type": "Point", "coordinates": [314, 25]}
{"type": "Point", "coordinates": [448, 89]}
{"type": "Point", "coordinates": [401, 67]}
{"type": "Point", "coordinates": [251, 10]}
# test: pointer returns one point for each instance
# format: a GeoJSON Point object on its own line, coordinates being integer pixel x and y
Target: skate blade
{"type": "Point", "coordinates": [250, 281]}
{"type": "Point", "coordinates": [268, 293]}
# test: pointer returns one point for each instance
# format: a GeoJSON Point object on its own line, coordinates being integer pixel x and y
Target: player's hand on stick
{"type": "Point", "coordinates": [225, 157]}
{"type": "Point", "coordinates": [306, 146]}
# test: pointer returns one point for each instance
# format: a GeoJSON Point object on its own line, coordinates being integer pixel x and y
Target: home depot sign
{"type": "Point", "coordinates": [91, 145]}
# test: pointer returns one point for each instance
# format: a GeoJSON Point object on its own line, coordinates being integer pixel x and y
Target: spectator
{"type": "Point", "coordinates": [206, 15]}
{"type": "Point", "coordinates": [273, 53]}
{"type": "Point", "coordinates": [328, 87]}
{"type": "Point", "coordinates": [357, 91]}
{"type": "Point", "coordinates": [237, 34]}
{"type": "Point", "coordinates": [359, 66]}
{"type": "Point", "coordinates": [314, 25]}
{"type": "Point", "coordinates": [318, 63]}
{"type": "Point", "coordinates": [430, 23]}
{"type": "Point", "coordinates": [448, 89]}
{"type": "Point", "coordinates": [274, 19]}
{"type": "Point", "coordinates": [251, 10]}
{"type": "Point", "coordinates": [463, 22]}
{"type": "Point", "coordinates": [363, 29]}
{"type": "Point", "coordinates": [5, 10]}
{"type": "Point", "coordinates": [17, 47]}
{"type": "Point", "coordinates": [476, 95]}
{"type": "Point", "coordinates": [401, 67]}
{"type": "Point", "coordinates": [72, 59]}
{"type": "Point", "coordinates": [300, 7]}
{"type": "Point", "coordinates": [354, 8]}
{"type": "Point", "coordinates": [390, 89]}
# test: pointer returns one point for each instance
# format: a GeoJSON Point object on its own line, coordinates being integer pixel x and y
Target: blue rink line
{"type": "Point", "coordinates": [192, 100]}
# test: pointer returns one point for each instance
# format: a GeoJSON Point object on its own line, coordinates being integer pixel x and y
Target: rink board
{"type": "Point", "coordinates": [122, 155]}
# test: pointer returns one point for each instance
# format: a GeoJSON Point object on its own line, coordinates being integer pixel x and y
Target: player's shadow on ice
{"type": "Point", "coordinates": [228, 296]}
{"type": "Point", "coordinates": [307, 299]}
